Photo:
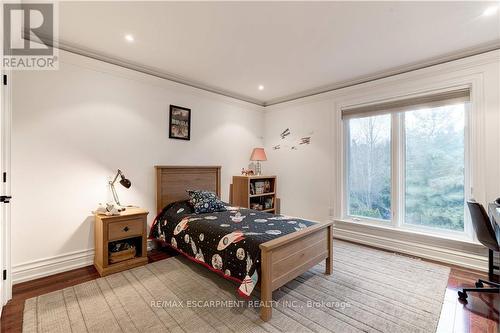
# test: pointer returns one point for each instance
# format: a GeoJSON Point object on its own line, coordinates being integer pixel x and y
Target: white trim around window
{"type": "Point", "coordinates": [398, 168]}
{"type": "Point", "coordinates": [480, 73]}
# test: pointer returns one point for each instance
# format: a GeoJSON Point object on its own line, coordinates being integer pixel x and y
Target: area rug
{"type": "Point", "coordinates": [370, 291]}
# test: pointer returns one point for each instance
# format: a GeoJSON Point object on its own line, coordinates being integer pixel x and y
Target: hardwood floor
{"type": "Point", "coordinates": [479, 315]}
{"type": "Point", "coordinates": [12, 315]}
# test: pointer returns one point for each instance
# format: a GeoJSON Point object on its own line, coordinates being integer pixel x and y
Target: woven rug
{"type": "Point", "coordinates": [370, 291]}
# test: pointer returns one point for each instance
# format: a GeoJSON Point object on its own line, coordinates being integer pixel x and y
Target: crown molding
{"type": "Point", "coordinates": [452, 56]}
{"type": "Point", "coordinates": [78, 50]}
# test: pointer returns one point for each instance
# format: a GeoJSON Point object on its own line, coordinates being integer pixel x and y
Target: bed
{"type": "Point", "coordinates": [277, 251]}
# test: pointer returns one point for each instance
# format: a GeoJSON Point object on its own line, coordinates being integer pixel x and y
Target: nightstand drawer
{"type": "Point", "coordinates": [124, 229]}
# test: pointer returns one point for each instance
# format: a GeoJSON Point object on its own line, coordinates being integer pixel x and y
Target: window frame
{"type": "Point", "coordinates": [398, 184]}
{"type": "Point", "coordinates": [345, 194]}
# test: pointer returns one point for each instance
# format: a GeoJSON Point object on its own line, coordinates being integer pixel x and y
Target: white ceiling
{"type": "Point", "coordinates": [291, 48]}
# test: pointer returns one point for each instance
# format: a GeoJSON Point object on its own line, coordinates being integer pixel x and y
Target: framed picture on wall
{"type": "Point", "coordinates": [179, 125]}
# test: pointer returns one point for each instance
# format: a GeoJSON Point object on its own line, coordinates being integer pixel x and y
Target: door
{"type": "Point", "coordinates": [2, 210]}
{"type": "Point", "coordinates": [5, 128]}
{"type": "Point", "coordinates": [5, 124]}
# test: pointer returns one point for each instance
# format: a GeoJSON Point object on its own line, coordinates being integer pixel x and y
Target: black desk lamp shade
{"type": "Point", "coordinates": [124, 181]}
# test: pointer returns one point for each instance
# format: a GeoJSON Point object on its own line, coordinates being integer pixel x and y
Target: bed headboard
{"type": "Point", "coordinates": [173, 181]}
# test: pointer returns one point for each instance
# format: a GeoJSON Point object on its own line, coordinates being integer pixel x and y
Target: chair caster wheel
{"type": "Point", "coordinates": [479, 284]}
{"type": "Point", "coordinates": [462, 295]}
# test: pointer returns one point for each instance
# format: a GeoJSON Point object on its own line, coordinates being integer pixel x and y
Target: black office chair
{"type": "Point", "coordinates": [486, 235]}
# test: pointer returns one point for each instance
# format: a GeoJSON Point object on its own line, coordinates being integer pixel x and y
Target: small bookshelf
{"type": "Point", "coordinates": [255, 192]}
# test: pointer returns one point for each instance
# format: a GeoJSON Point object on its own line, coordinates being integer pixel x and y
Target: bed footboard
{"type": "Point", "coordinates": [285, 258]}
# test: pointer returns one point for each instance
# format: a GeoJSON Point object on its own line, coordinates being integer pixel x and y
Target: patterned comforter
{"type": "Point", "coordinates": [226, 242]}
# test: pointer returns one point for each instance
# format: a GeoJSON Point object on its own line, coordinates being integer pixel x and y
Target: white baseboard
{"type": "Point", "coordinates": [433, 252]}
{"type": "Point", "coordinates": [468, 256]}
{"type": "Point", "coordinates": [49, 266]}
{"type": "Point", "coordinates": [57, 264]}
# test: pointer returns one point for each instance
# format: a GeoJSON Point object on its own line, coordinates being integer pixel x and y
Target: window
{"type": "Point", "coordinates": [405, 162]}
{"type": "Point", "coordinates": [369, 175]}
{"type": "Point", "coordinates": [434, 167]}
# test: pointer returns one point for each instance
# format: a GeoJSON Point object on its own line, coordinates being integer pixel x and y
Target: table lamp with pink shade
{"type": "Point", "coordinates": [258, 154]}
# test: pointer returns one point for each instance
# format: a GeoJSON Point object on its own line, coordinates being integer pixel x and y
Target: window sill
{"type": "Point", "coordinates": [452, 236]}
{"type": "Point", "coordinates": [458, 251]}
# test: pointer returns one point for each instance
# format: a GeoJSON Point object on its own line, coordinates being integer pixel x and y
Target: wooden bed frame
{"type": "Point", "coordinates": [282, 259]}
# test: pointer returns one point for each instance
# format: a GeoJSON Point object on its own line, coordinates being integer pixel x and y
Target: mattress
{"type": "Point", "coordinates": [226, 242]}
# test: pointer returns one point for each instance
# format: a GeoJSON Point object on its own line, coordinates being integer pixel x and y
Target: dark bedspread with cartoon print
{"type": "Point", "coordinates": [225, 241]}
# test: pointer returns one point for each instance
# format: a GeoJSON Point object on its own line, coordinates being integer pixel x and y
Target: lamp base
{"type": "Point", "coordinates": [258, 169]}
{"type": "Point", "coordinates": [121, 208]}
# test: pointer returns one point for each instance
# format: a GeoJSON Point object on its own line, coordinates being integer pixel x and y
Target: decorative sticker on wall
{"type": "Point", "coordinates": [285, 133]}
{"type": "Point", "coordinates": [292, 141]}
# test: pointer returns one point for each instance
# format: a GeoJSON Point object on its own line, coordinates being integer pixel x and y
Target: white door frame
{"type": "Point", "coordinates": [5, 160]}
{"type": "Point", "coordinates": [2, 210]}
{"type": "Point", "coordinates": [5, 154]}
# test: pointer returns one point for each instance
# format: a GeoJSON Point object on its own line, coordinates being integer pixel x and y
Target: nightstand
{"type": "Point", "coordinates": [130, 227]}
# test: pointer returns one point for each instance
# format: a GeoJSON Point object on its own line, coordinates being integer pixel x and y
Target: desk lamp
{"type": "Point", "coordinates": [124, 181]}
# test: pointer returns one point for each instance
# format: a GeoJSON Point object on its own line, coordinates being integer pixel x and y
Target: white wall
{"type": "Point", "coordinates": [304, 174]}
{"type": "Point", "coordinates": [73, 127]}
{"type": "Point", "coordinates": [311, 178]}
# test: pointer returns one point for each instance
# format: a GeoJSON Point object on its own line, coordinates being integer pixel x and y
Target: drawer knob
{"type": "Point", "coordinates": [126, 229]}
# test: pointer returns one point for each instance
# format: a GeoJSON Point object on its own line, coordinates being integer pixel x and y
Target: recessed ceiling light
{"type": "Point", "coordinates": [261, 87]}
{"type": "Point", "coordinates": [492, 10]}
{"type": "Point", "coordinates": [129, 38]}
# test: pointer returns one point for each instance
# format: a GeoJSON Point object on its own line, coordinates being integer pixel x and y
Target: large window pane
{"type": "Point", "coordinates": [434, 173]}
{"type": "Point", "coordinates": [369, 163]}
